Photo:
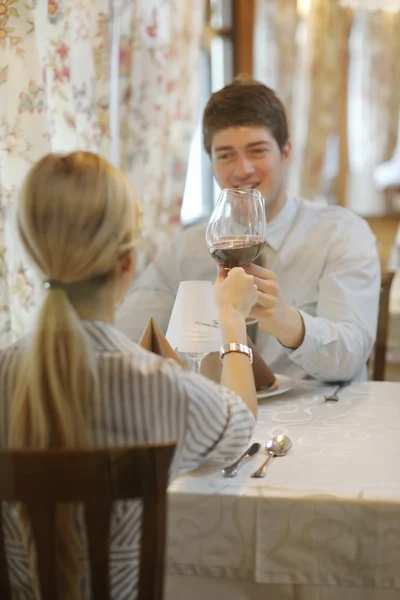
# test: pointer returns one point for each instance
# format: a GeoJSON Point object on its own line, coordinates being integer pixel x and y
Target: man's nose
{"type": "Point", "coordinates": [243, 167]}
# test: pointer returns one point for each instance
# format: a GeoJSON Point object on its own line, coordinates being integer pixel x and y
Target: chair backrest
{"type": "Point", "coordinates": [385, 228]}
{"type": "Point", "coordinates": [42, 479]}
{"type": "Point", "coordinates": [379, 362]}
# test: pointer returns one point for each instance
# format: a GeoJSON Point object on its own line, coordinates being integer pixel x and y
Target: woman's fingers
{"type": "Point", "coordinates": [221, 274]}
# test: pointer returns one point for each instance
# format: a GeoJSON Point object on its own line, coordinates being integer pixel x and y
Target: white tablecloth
{"type": "Point", "coordinates": [323, 524]}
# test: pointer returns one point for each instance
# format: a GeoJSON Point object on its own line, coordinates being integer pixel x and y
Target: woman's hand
{"type": "Point", "coordinates": [235, 293]}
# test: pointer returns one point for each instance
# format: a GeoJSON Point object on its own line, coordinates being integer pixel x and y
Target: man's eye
{"type": "Point", "coordinates": [259, 151]}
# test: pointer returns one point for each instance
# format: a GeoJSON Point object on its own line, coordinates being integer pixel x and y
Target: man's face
{"type": "Point", "coordinates": [250, 156]}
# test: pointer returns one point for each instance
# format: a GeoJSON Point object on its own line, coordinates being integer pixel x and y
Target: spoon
{"type": "Point", "coordinates": [278, 446]}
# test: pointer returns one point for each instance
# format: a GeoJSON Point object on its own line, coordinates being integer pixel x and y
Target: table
{"type": "Point", "coordinates": [323, 525]}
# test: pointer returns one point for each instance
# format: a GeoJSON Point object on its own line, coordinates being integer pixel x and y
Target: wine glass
{"type": "Point", "coordinates": [237, 230]}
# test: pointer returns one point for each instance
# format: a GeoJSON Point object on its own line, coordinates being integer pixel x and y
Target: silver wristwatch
{"type": "Point", "coordinates": [241, 348]}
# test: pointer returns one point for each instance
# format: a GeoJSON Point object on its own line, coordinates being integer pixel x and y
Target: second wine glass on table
{"type": "Point", "coordinates": [237, 230]}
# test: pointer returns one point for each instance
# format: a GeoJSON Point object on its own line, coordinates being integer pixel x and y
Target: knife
{"type": "Point", "coordinates": [231, 470]}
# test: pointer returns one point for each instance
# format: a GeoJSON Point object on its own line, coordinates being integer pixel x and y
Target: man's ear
{"type": "Point", "coordinates": [287, 150]}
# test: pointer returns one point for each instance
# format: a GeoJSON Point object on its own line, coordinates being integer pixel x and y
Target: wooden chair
{"type": "Point", "coordinates": [392, 199]}
{"type": "Point", "coordinates": [379, 357]}
{"type": "Point", "coordinates": [44, 478]}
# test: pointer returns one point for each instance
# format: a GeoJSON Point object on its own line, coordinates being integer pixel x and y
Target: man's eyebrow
{"type": "Point", "coordinates": [260, 143]}
{"type": "Point", "coordinates": [251, 145]}
{"type": "Point", "coordinates": [223, 148]}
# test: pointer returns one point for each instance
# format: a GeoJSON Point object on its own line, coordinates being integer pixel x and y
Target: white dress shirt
{"type": "Point", "coordinates": [143, 399]}
{"type": "Point", "coordinates": [328, 267]}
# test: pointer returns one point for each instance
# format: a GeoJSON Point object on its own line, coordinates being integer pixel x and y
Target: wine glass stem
{"type": "Point", "coordinates": [197, 364]}
{"type": "Point", "coordinates": [196, 359]}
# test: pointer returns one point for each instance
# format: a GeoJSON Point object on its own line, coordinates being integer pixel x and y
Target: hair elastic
{"type": "Point", "coordinates": [54, 284]}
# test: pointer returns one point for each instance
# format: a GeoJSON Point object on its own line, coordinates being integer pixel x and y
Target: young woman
{"type": "Point", "coordinates": [77, 381]}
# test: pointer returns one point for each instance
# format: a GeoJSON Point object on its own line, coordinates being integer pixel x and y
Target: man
{"type": "Point", "coordinates": [319, 291]}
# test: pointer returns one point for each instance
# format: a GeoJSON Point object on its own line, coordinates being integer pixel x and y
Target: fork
{"type": "Point", "coordinates": [334, 397]}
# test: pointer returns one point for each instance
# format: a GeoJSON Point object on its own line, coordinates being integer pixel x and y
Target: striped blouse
{"type": "Point", "coordinates": [143, 398]}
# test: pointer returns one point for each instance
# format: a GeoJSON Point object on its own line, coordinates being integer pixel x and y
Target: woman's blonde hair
{"type": "Point", "coordinates": [77, 216]}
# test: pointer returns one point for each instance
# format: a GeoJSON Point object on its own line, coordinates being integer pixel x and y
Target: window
{"type": "Point", "coordinates": [216, 69]}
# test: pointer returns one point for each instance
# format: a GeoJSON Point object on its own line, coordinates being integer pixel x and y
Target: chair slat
{"type": "Point", "coordinates": [97, 517]}
{"type": "Point", "coordinates": [154, 529]}
{"type": "Point", "coordinates": [379, 364]}
{"type": "Point", "coordinates": [152, 549]}
{"type": "Point", "coordinates": [5, 587]}
{"type": "Point", "coordinates": [42, 518]}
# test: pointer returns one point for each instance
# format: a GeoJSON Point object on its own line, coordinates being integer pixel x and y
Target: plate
{"type": "Point", "coordinates": [284, 384]}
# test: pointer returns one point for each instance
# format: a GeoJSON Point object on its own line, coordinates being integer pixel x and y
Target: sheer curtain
{"type": "Point", "coordinates": [275, 48]}
{"type": "Point", "coordinates": [299, 51]}
{"type": "Point", "coordinates": [111, 77]}
{"type": "Point", "coordinates": [373, 104]}
{"type": "Point", "coordinates": [297, 44]}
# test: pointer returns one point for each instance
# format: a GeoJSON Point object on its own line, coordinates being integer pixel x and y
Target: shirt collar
{"type": "Point", "coordinates": [279, 227]}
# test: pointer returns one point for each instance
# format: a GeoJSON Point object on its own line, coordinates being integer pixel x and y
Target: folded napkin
{"type": "Point", "coordinates": [155, 341]}
{"type": "Point", "coordinates": [264, 378]}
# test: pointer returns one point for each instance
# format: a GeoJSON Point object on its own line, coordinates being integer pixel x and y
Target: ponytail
{"type": "Point", "coordinates": [54, 396]}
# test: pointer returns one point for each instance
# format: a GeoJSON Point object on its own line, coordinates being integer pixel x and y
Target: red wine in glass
{"type": "Point", "coordinates": [237, 229]}
{"type": "Point", "coordinates": [236, 251]}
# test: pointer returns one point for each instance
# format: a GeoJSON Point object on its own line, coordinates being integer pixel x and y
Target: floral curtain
{"type": "Point", "coordinates": [160, 53]}
{"type": "Point", "coordinates": [49, 101]}
{"type": "Point", "coordinates": [115, 77]}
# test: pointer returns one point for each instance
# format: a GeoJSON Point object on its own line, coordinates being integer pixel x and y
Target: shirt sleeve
{"type": "Point", "coordinates": [339, 339]}
{"type": "Point", "coordinates": [164, 402]}
{"type": "Point", "coordinates": [219, 423]}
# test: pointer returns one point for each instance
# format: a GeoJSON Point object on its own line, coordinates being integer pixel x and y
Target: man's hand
{"type": "Point", "coordinates": [274, 315]}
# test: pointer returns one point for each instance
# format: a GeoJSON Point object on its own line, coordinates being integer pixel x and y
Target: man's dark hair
{"type": "Point", "coordinates": [245, 102]}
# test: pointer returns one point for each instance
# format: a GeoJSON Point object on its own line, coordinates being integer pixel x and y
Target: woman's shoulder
{"type": "Point", "coordinates": [137, 360]}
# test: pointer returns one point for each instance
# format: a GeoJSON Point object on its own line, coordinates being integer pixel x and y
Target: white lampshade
{"type": "Point", "coordinates": [193, 327]}
{"type": "Point", "coordinates": [374, 5]}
